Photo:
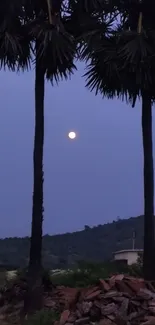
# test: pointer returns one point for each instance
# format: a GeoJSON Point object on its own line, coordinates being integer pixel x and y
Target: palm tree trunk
{"type": "Point", "coordinates": [148, 258]}
{"type": "Point", "coordinates": [33, 299]}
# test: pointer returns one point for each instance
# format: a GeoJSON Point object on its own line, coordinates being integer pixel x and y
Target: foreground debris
{"type": "Point", "coordinates": [120, 300]}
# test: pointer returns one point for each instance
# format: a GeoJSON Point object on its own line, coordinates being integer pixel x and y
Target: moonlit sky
{"type": "Point", "coordinates": [89, 181]}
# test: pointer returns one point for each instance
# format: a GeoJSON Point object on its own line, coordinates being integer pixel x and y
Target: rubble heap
{"type": "Point", "coordinates": [120, 300]}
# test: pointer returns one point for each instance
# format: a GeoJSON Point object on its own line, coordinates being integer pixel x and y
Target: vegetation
{"type": "Point", "coordinates": [65, 250]}
{"type": "Point", "coordinates": [83, 275]}
{"type": "Point", "coordinates": [121, 63]}
{"type": "Point", "coordinates": [90, 273]}
{"type": "Point", "coordinates": [54, 50]}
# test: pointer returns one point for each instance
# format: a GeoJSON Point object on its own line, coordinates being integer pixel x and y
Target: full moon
{"type": "Point", "coordinates": [72, 135]}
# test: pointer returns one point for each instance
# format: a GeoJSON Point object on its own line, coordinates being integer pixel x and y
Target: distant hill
{"type": "Point", "coordinates": [92, 244]}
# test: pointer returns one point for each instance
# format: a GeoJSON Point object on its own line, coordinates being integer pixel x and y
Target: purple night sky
{"type": "Point", "coordinates": [91, 180]}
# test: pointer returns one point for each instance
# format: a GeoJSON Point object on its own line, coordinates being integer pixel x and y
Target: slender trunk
{"type": "Point", "coordinates": [33, 299]}
{"type": "Point", "coordinates": [148, 258]}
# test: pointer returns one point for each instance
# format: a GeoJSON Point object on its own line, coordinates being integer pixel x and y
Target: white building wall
{"type": "Point", "coordinates": [130, 256]}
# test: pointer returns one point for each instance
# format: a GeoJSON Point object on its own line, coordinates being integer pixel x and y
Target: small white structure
{"type": "Point", "coordinates": [129, 255]}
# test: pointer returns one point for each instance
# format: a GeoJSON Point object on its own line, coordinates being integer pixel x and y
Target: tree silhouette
{"type": "Point", "coordinates": [54, 51]}
{"type": "Point", "coordinates": [121, 64]}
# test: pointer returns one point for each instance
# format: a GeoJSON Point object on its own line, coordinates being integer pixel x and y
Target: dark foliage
{"type": "Point", "coordinates": [56, 50]}
{"type": "Point", "coordinates": [121, 64]}
{"type": "Point", "coordinates": [92, 244]}
{"type": "Point", "coordinates": [15, 50]}
{"type": "Point", "coordinates": [119, 50]}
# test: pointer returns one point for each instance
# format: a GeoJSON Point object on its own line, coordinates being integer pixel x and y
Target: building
{"type": "Point", "coordinates": [128, 255]}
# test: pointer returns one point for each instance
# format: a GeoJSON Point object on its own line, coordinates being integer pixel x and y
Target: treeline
{"type": "Point", "coordinates": [95, 244]}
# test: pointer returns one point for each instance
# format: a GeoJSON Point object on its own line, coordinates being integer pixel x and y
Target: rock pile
{"type": "Point", "coordinates": [121, 300]}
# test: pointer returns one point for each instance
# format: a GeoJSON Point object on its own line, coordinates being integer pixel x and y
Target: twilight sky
{"type": "Point", "coordinates": [91, 180]}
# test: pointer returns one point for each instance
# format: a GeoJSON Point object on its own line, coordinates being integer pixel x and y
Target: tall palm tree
{"type": "Point", "coordinates": [122, 64]}
{"type": "Point", "coordinates": [141, 57]}
{"type": "Point", "coordinates": [141, 15]}
{"type": "Point", "coordinates": [54, 52]}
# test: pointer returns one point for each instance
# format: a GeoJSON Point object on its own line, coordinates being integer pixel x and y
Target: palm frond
{"type": "Point", "coordinates": [14, 44]}
{"type": "Point", "coordinates": [25, 55]}
{"type": "Point", "coordinates": [135, 47]}
{"type": "Point", "coordinates": [102, 72]}
{"type": "Point", "coordinates": [56, 52]}
{"type": "Point", "coordinates": [121, 64]}
{"type": "Point", "coordinates": [91, 40]}
{"type": "Point", "coordinates": [137, 53]}
{"type": "Point", "coordinates": [14, 48]}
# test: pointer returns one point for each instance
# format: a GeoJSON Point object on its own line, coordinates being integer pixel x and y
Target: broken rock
{"type": "Point", "coordinates": [106, 321]}
{"type": "Point", "coordinates": [109, 309]}
{"type": "Point", "coordinates": [93, 295]}
{"type": "Point", "coordinates": [82, 321]}
{"type": "Point", "coordinates": [86, 306]}
{"type": "Point", "coordinates": [104, 285]}
{"type": "Point", "coordinates": [64, 317]}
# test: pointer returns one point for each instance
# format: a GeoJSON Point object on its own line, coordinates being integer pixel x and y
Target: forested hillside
{"type": "Point", "coordinates": [93, 244]}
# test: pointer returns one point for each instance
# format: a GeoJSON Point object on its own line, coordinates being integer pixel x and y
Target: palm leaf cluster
{"type": "Point", "coordinates": [121, 62]}
{"type": "Point", "coordinates": [22, 24]}
{"type": "Point", "coordinates": [56, 50]}
{"type": "Point", "coordinates": [14, 42]}
{"type": "Point", "coordinates": [58, 33]}
{"type": "Point", "coordinates": [121, 65]}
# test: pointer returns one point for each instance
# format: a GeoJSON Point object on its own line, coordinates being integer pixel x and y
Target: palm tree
{"type": "Point", "coordinates": [143, 49]}
{"type": "Point", "coordinates": [122, 64]}
{"type": "Point", "coordinates": [141, 14]}
{"type": "Point", "coordinates": [54, 53]}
